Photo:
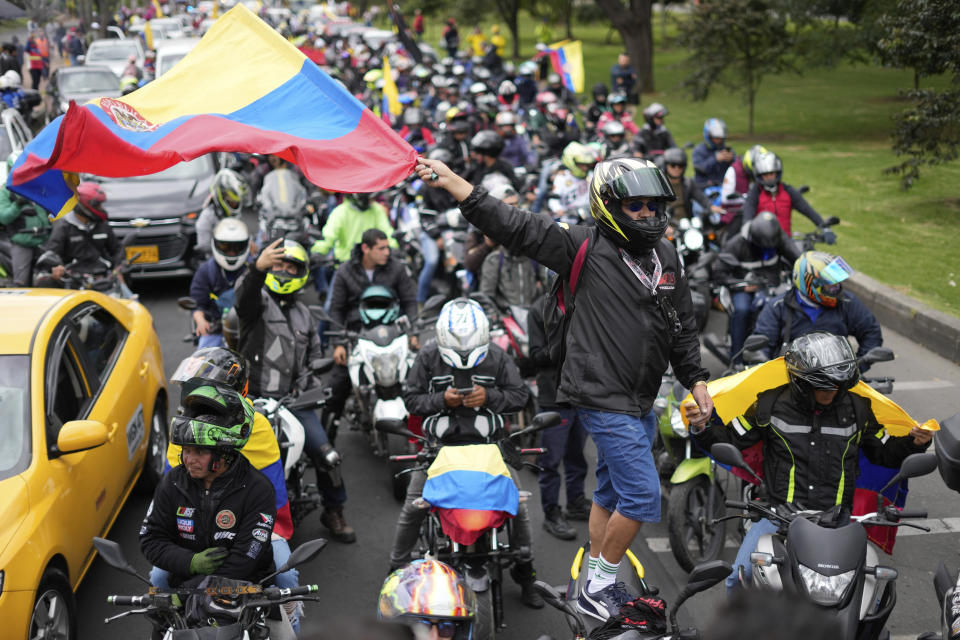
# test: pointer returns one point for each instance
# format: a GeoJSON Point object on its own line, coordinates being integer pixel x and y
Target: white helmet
{"type": "Point", "coordinates": [463, 333]}
{"type": "Point", "coordinates": [229, 190]}
{"type": "Point", "coordinates": [230, 243]}
{"type": "Point", "coordinates": [12, 79]}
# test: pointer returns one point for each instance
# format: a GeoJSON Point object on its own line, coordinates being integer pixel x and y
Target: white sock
{"type": "Point", "coordinates": [604, 575]}
{"type": "Point", "coordinates": [591, 567]}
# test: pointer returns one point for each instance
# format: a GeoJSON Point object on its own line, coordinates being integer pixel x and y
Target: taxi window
{"type": "Point", "coordinates": [67, 390]}
{"type": "Point", "coordinates": [99, 338]}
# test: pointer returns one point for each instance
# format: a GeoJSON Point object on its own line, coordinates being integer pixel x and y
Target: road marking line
{"type": "Point", "coordinates": [922, 385]}
{"type": "Point", "coordinates": [662, 545]}
{"type": "Point", "coordinates": [937, 525]}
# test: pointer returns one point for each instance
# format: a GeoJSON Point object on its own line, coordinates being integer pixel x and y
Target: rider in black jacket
{"type": "Point", "coordinates": [214, 513]}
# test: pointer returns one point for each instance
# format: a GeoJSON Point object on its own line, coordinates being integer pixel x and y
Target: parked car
{"type": "Point", "coordinates": [163, 208]}
{"type": "Point", "coordinates": [114, 54]}
{"type": "Point", "coordinates": [14, 136]}
{"type": "Point", "coordinates": [170, 52]}
{"type": "Point", "coordinates": [80, 84]}
{"type": "Point", "coordinates": [83, 421]}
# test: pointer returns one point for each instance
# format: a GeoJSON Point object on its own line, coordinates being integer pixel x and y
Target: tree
{"type": "Point", "coordinates": [734, 43]}
{"type": "Point", "coordinates": [632, 19]}
{"type": "Point", "coordinates": [554, 11]}
{"type": "Point", "coordinates": [924, 35]}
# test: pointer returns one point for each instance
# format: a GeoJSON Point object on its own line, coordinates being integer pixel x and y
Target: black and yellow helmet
{"type": "Point", "coordinates": [622, 179]}
{"type": "Point", "coordinates": [283, 282]}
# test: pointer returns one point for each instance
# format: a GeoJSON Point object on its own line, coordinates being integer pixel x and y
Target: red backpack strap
{"type": "Point", "coordinates": [578, 265]}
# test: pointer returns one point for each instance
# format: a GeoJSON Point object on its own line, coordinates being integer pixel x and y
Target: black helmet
{"type": "Point", "coordinates": [360, 200]}
{"type": "Point", "coordinates": [212, 364]}
{"type": "Point", "coordinates": [675, 155]}
{"type": "Point", "coordinates": [600, 89]}
{"type": "Point", "coordinates": [624, 178]}
{"type": "Point", "coordinates": [487, 142]}
{"type": "Point", "coordinates": [231, 328]}
{"type": "Point", "coordinates": [459, 124]}
{"type": "Point", "coordinates": [821, 360]}
{"type": "Point", "coordinates": [764, 230]}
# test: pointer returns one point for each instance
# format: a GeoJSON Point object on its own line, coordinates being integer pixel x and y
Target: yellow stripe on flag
{"type": "Point", "coordinates": [470, 457]}
{"type": "Point", "coordinates": [156, 5]}
{"type": "Point", "coordinates": [390, 90]}
{"type": "Point", "coordinates": [258, 65]}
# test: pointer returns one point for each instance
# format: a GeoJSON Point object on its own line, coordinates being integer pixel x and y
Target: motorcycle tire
{"type": "Point", "coordinates": [485, 628]}
{"type": "Point", "coordinates": [692, 538]}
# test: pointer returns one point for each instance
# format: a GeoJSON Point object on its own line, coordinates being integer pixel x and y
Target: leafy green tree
{"type": "Point", "coordinates": [734, 44]}
{"type": "Point", "coordinates": [632, 19]}
{"type": "Point", "coordinates": [924, 35]}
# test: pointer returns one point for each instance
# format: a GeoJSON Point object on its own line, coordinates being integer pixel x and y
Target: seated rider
{"type": "Point", "coordinates": [812, 430]}
{"type": "Point", "coordinates": [214, 513]}
{"type": "Point", "coordinates": [817, 301]}
{"type": "Point", "coordinates": [212, 284]}
{"type": "Point", "coordinates": [712, 157]}
{"type": "Point", "coordinates": [768, 193]}
{"type": "Point", "coordinates": [462, 359]}
{"type": "Point", "coordinates": [227, 192]}
{"type": "Point", "coordinates": [432, 598]}
{"type": "Point", "coordinates": [691, 200]}
{"type": "Point", "coordinates": [217, 365]}
{"type": "Point", "coordinates": [759, 251]}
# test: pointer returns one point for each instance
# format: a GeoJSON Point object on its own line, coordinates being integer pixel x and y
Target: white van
{"type": "Point", "coordinates": [170, 52]}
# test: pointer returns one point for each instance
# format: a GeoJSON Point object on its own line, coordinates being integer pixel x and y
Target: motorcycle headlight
{"type": "Point", "coordinates": [385, 368]}
{"type": "Point", "coordinates": [825, 590]}
{"type": "Point", "coordinates": [676, 423]}
{"type": "Point", "coordinates": [693, 239]}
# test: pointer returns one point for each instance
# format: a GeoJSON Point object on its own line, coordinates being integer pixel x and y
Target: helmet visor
{"type": "Point", "coordinates": [231, 248]}
{"type": "Point", "coordinates": [200, 367]}
{"type": "Point", "coordinates": [836, 272]}
{"type": "Point", "coordinates": [647, 182]}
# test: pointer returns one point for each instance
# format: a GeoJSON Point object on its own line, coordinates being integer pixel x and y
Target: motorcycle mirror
{"type": "Point", "coordinates": [320, 313]}
{"type": "Point", "coordinates": [755, 342]}
{"type": "Point", "coordinates": [112, 554]}
{"type": "Point", "coordinates": [877, 354]}
{"type": "Point", "coordinates": [703, 576]}
{"type": "Point", "coordinates": [913, 466]}
{"type": "Point", "coordinates": [323, 365]}
{"type": "Point", "coordinates": [187, 303]}
{"type": "Point", "coordinates": [727, 454]}
{"type": "Point", "coordinates": [804, 188]}
{"type": "Point", "coordinates": [304, 553]}
{"type": "Point", "coordinates": [553, 598]}
{"type": "Point", "coordinates": [832, 220]}
{"type": "Point", "coordinates": [311, 397]}
{"type": "Point", "coordinates": [130, 238]}
{"type": "Point", "coordinates": [396, 428]}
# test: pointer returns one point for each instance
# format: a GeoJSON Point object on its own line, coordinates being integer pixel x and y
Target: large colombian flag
{"type": "Point", "coordinates": [566, 57]}
{"type": "Point", "coordinates": [472, 489]}
{"type": "Point", "coordinates": [733, 395]}
{"type": "Point", "coordinates": [242, 88]}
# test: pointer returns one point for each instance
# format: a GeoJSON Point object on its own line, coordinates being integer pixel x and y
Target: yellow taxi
{"type": "Point", "coordinates": [83, 405]}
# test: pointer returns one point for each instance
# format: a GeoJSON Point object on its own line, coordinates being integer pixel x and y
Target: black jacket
{"type": "Point", "coordinates": [547, 379]}
{"type": "Point", "coordinates": [782, 320]}
{"type": "Point", "coordinates": [619, 342]}
{"type": "Point", "coordinates": [237, 513]}
{"type": "Point", "coordinates": [811, 454]}
{"type": "Point", "coordinates": [765, 265]}
{"type": "Point", "coordinates": [352, 281]}
{"type": "Point", "coordinates": [86, 244]}
{"type": "Point", "coordinates": [691, 192]}
{"type": "Point", "coordinates": [659, 139]}
{"type": "Point", "coordinates": [430, 376]}
{"type": "Point", "coordinates": [210, 281]}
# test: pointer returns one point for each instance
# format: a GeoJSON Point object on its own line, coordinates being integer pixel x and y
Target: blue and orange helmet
{"type": "Point", "coordinates": [817, 276]}
{"type": "Point", "coordinates": [429, 592]}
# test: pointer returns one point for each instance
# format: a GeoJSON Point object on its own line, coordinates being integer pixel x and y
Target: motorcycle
{"type": "Point", "coordinates": [189, 305]}
{"type": "Point", "coordinates": [451, 279]}
{"type": "Point", "coordinates": [250, 606]}
{"type": "Point", "coordinates": [482, 563]}
{"type": "Point", "coordinates": [825, 558]}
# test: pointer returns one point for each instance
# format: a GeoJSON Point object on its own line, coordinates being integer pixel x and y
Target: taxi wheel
{"type": "Point", "coordinates": [54, 612]}
{"type": "Point", "coordinates": [157, 443]}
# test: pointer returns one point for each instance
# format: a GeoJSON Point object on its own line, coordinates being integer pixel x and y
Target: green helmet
{"type": "Point", "coordinates": [378, 305]}
{"type": "Point", "coordinates": [279, 281]}
{"type": "Point", "coordinates": [214, 416]}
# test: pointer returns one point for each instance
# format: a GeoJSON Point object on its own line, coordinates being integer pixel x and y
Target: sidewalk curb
{"type": "Point", "coordinates": [937, 331]}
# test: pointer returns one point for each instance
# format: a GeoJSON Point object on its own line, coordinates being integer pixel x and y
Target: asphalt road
{"type": "Point", "coordinates": [349, 576]}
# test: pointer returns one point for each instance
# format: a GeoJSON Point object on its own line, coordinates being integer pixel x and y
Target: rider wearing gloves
{"type": "Point", "coordinates": [463, 358]}
{"type": "Point", "coordinates": [370, 263]}
{"type": "Point", "coordinates": [279, 339]}
{"type": "Point", "coordinates": [217, 365]}
{"type": "Point", "coordinates": [818, 302]}
{"type": "Point", "coordinates": [214, 513]}
{"type": "Point", "coordinates": [212, 284]}
{"type": "Point", "coordinates": [812, 430]}
{"type": "Point", "coordinates": [757, 252]}
{"type": "Point", "coordinates": [27, 225]}
{"type": "Point", "coordinates": [712, 157]}
{"type": "Point", "coordinates": [348, 221]}
{"type": "Point", "coordinates": [690, 197]}
{"type": "Point", "coordinates": [656, 137]}
{"type": "Point", "coordinates": [768, 193]}
{"type": "Point", "coordinates": [82, 239]}
{"type": "Point", "coordinates": [227, 192]}
{"type": "Point", "coordinates": [633, 318]}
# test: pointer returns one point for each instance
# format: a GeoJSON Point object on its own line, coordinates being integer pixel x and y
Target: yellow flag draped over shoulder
{"type": "Point", "coordinates": [391, 96]}
{"type": "Point", "coordinates": [733, 395]}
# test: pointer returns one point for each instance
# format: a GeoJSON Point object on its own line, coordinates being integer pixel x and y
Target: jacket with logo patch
{"type": "Point", "coordinates": [811, 453]}
{"type": "Point", "coordinates": [619, 343]}
{"type": "Point", "coordinates": [237, 512]}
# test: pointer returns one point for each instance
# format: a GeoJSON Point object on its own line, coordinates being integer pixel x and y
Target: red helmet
{"type": "Point", "coordinates": [90, 200]}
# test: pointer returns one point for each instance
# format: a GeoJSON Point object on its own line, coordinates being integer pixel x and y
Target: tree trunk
{"type": "Point", "coordinates": [515, 32]}
{"type": "Point", "coordinates": [634, 24]}
{"type": "Point", "coordinates": [568, 19]}
{"type": "Point", "coordinates": [663, 24]}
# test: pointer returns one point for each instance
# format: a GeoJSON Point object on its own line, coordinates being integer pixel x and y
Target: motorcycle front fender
{"type": "Point", "coordinates": [478, 582]}
{"type": "Point", "coordinates": [690, 468]}
{"type": "Point", "coordinates": [389, 410]}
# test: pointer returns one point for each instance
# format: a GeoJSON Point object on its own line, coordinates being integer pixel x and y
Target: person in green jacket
{"type": "Point", "coordinates": [348, 221]}
{"type": "Point", "coordinates": [27, 225]}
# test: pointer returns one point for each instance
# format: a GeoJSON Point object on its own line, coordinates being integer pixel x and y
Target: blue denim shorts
{"type": "Point", "coordinates": [627, 479]}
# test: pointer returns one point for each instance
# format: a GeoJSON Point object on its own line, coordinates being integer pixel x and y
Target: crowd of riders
{"type": "Point", "coordinates": [547, 190]}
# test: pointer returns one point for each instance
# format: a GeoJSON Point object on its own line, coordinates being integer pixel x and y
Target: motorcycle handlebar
{"type": "Point", "coordinates": [912, 513]}
{"type": "Point", "coordinates": [403, 458]}
{"type": "Point", "coordinates": [129, 601]}
{"type": "Point", "coordinates": [736, 504]}
{"type": "Point", "coordinates": [275, 593]}
{"type": "Point", "coordinates": [538, 451]}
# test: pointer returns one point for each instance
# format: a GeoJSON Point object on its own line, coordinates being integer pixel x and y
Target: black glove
{"type": "Point", "coordinates": [828, 236]}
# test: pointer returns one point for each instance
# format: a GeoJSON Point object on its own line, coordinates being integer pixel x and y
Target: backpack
{"type": "Point", "coordinates": [558, 306]}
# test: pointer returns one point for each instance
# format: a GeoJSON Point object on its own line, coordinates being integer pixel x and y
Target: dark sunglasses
{"type": "Point", "coordinates": [638, 205]}
{"type": "Point", "coordinates": [445, 628]}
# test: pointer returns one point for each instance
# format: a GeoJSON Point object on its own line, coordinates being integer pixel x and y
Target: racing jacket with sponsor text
{"type": "Point", "coordinates": [237, 512]}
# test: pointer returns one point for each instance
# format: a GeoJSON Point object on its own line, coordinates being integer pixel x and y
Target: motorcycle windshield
{"type": "Point", "coordinates": [829, 552]}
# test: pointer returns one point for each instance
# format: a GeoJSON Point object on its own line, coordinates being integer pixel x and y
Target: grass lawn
{"type": "Point", "coordinates": [831, 128]}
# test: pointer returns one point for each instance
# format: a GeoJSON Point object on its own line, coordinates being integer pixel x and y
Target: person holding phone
{"type": "Point", "coordinates": [462, 385]}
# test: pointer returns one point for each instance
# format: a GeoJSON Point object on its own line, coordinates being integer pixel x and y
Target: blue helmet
{"type": "Point", "coordinates": [378, 305]}
{"type": "Point", "coordinates": [714, 128]}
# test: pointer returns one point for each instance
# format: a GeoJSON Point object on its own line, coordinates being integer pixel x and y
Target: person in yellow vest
{"type": "Point", "coordinates": [476, 40]}
{"type": "Point", "coordinates": [497, 39]}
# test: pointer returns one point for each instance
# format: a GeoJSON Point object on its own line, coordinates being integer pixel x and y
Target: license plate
{"type": "Point", "coordinates": [148, 253]}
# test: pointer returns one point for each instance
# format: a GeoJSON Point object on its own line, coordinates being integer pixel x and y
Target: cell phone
{"type": "Point", "coordinates": [465, 392]}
